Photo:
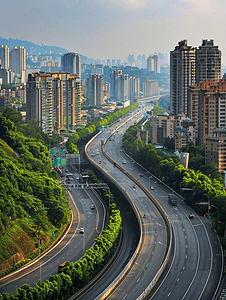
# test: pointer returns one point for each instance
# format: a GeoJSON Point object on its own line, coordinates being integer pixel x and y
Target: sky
{"type": "Point", "coordinates": [113, 29]}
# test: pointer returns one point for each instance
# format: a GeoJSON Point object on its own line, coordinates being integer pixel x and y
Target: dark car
{"type": "Point", "coordinates": [92, 206]}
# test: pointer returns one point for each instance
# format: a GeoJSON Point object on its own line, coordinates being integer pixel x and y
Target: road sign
{"type": "Point", "coordinates": [103, 127]}
{"type": "Point", "coordinates": [53, 234]}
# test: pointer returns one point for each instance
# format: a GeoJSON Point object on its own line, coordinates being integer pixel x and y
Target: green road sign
{"type": "Point", "coordinates": [56, 161]}
{"type": "Point", "coordinates": [63, 162]}
{"type": "Point", "coordinates": [103, 127]}
{"type": "Point", "coordinates": [53, 151]}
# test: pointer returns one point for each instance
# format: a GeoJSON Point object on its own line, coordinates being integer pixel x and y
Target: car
{"type": "Point", "coordinates": [134, 187]}
{"type": "Point", "coordinates": [82, 230]}
{"type": "Point", "coordinates": [141, 175]}
{"type": "Point", "coordinates": [100, 162]}
{"type": "Point", "coordinates": [191, 216]}
{"type": "Point", "coordinates": [152, 188]}
{"type": "Point", "coordinates": [92, 206]}
{"type": "Point", "coordinates": [124, 162]}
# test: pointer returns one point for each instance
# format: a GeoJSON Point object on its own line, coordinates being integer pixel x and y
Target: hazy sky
{"type": "Point", "coordinates": [115, 28]}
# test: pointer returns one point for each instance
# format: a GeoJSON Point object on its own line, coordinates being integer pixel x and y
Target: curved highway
{"type": "Point", "coordinates": [197, 262]}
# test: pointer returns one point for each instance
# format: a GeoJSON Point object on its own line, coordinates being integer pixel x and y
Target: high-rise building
{"type": "Point", "coordinates": [144, 62]}
{"type": "Point", "coordinates": [134, 88]}
{"type": "Point", "coordinates": [113, 76]}
{"type": "Point", "coordinates": [17, 62]}
{"type": "Point", "coordinates": [153, 63]}
{"type": "Point", "coordinates": [188, 66]}
{"type": "Point", "coordinates": [182, 75]}
{"type": "Point", "coordinates": [208, 62]}
{"type": "Point", "coordinates": [131, 60]}
{"type": "Point", "coordinates": [207, 107]}
{"type": "Point", "coordinates": [95, 91]}
{"type": "Point", "coordinates": [71, 63]}
{"type": "Point", "coordinates": [4, 56]}
{"type": "Point", "coordinates": [54, 100]}
{"type": "Point", "coordinates": [122, 88]}
{"type": "Point", "coordinates": [150, 88]}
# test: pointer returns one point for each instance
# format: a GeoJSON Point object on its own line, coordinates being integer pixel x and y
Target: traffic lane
{"type": "Point", "coordinates": [185, 261]}
{"type": "Point", "coordinates": [217, 260]}
{"type": "Point", "coordinates": [188, 270]}
{"type": "Point", "coordinates": [152, 252]}
{"type": "Point", "coordinates": [202, 285]}
{"type": "Point", "coordinates": [126, 184]}
{"type": "Point", "coordinates": [130, 241]}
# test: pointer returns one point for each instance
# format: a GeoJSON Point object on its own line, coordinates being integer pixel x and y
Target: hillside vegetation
{"type": "Point", "coordinates": [31, 199]}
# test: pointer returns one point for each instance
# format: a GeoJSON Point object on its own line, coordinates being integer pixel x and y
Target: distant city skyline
{"type": "Point", "coordinates": [115, 29]}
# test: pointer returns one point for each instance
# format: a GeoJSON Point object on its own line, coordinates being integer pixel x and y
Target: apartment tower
{"type": "Point", "coordinates": [17, 61]}
{"type": "Point", "coordinates": [153, 63]}
{"type": "Point", "coordinates": [208, 62]}
{"type": "Point", "coordinates": [4, 56]}
{"type": "Point", "coordinates": [54, 100]}
{"type": "Point", "coordinates": [95, 91]}
{"type": "Point", "coordinates": [182, 75]}
{"type": "Point", "coordinates": [71, 63]}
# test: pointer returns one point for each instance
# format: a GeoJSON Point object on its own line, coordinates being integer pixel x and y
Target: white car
{"type": "Point", "coordinates": [82, 230]}
{"type": "Point", "coordinates": [152, 188]}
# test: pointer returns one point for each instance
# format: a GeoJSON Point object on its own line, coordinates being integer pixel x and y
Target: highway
{"type": "Point", "coordinates": [197, 262]}
{"type": "Point", "coordinates": [195, 270]}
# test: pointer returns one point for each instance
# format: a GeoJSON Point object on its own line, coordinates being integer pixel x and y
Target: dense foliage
{"type": "Point", "coordinates": [31, 200]}
{"type": "Point", "coordinates": [30, 129]}
{"type": "Point", "coordinates": [157, 110]}
{"type": "Point", "coordinates": [204, 186]}
{"type": "Point", "coordinates": [83, 135]}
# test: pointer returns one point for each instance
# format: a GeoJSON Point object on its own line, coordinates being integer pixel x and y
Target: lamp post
{"type": "Point", "coordinates": [136, 263]}
{"type": "Point", "coordinates": [208, 203]}
{"type": "Point", "coordinates": [217, 215]}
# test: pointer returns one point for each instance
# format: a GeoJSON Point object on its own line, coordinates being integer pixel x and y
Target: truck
{"type": "Point", "coordinates": [172, 199]}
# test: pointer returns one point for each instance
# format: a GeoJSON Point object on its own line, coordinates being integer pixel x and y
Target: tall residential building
{"type": "Point", "coordinates": [71, 63]}
{"type": "Point", "coordinates": [207, 107]}
{"type": "Point", "coordinates": [4, 56]}
{"type": "Point", "coordinates": [114, 76]}
{"type": "Point", "coordinates": [134, 88]}
{"type": "Point", "coordinates": [150, 88]}
{"type": "Point", "coordinates": [17, 62]}
{"type": "Point", "coordinates": [54, 100]}
{"type": "Point", "coordinates": [188, 66]}
{"type": "Point", "coordinates": [153, 63]}
{"type": "Point", "coordinates": [182, 75]}
{"type": "Point", "coordinates": [208, 62]}
{"type": "Point", "coordinates": [95, 91]}
{"type": "Point", "coordinates": [122, 88]}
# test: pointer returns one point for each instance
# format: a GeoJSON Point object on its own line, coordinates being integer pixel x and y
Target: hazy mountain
{"type": "Point", "coordinates": [34, 49]}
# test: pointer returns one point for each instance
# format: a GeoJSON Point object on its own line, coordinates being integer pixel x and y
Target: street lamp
{"type": "Point", "coordinates": [208, 203]}
{"type": "Point", "coordinates": [217, 215]}
{"type": "Point", "coordinates": [136, 263]}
